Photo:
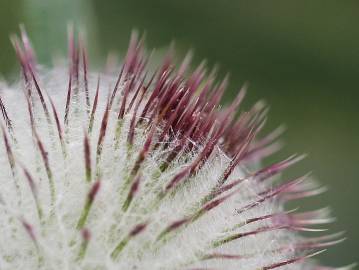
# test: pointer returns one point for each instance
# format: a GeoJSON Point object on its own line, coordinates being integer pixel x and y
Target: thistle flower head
{"type": "Point", "coordinates": [143, 170]}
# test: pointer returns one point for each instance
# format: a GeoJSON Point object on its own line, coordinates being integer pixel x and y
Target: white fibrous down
{"type": "Point", "coordinates": [118, 183]}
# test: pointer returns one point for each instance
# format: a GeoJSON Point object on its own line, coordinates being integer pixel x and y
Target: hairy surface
{"type": "Point", "coordinates": [143, 170]}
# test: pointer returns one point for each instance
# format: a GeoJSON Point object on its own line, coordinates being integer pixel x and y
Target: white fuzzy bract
{"type": "Point", "coordinates": [110, 206]}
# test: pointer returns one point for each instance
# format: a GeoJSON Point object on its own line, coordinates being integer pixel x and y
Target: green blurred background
{"type": "Point", "coordinates": [302, 57]}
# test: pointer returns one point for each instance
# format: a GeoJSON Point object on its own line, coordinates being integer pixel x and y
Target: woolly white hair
{"type": "Point", "coordinates": [105, 172]}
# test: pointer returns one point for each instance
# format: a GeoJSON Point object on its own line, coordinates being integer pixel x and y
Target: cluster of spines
{"type": "Point", "coordinates": [176, 111]}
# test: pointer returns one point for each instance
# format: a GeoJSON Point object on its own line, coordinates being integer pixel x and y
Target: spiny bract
{"type": "Point", "coordinates": [142, 170]}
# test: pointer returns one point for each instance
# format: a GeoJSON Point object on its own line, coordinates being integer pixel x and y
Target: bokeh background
{"type": "Point", "coordinates": [302, 57]}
